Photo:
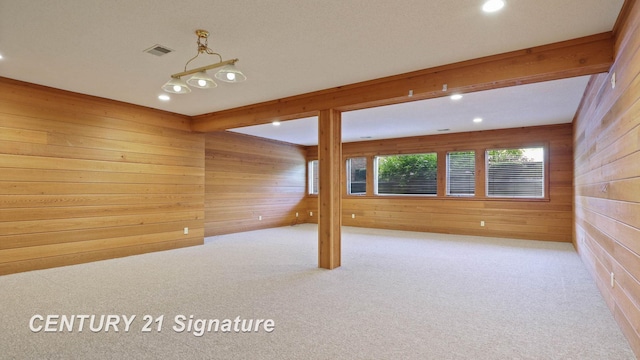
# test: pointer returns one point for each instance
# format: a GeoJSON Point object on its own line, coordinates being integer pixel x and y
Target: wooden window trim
{"type": "Point", "coordinates": [480, 191]}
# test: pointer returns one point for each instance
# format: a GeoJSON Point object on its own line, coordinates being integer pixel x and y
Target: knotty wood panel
{"type": "Point", "coordinates": [549, 219]}
{"type": "Point", "coordinates": [607, 178]}
{"type": "Point", "coordinates": [248, 178]}
{"type": "Point", "coordinates": [85, 179]}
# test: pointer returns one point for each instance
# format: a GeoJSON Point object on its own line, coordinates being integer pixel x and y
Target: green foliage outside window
{"type": "Point", "coordinates": [408, 174]}
{"type": "Point", "coordinates": [507, 155]}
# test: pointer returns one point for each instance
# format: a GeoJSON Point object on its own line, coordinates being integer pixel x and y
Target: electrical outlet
{"type": "Point", "coordinates": [296, 214]}
{"type": "Point", "coordinates": [481, 223]}
{"type": "Point", "coordinates": [186, 231]}
{"type": "Point", "coordinates": [353, 216]}
{"type": "Point", "coordinates": [260, 218]}
{"type": "Point", "coordinates": [310, 213]}
{"type": "Point", "coordinates": [613, 279]}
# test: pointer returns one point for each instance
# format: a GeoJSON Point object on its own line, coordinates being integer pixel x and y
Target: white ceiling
{"type": "Point", "coordinates": [285, 47]}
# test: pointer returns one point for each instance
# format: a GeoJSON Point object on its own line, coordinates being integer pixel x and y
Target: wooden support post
{"type": "Point", "coordinates": [370, 179]}
{"type": "Point", "coordinates": [329, 193]}
{"type": "Point", "coordinates": [441, 175]}
{"type": "Point", "coordinates": [481, 184]}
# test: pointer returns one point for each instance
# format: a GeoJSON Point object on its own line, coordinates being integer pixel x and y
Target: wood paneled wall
{"type": "Point", "coordinates": [248, 178]}
{"type": "Point", "coordinates": [85, 179]}
{"type": "Point", "coordinates": [549, 219]}
{"type": "Point", "coordinates": [607, 178]}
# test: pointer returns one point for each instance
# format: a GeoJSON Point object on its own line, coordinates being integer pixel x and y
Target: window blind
{"type": "Point", "coordinates": [515, 173]}
{"type": "Point", "coordinates": [461, 168]}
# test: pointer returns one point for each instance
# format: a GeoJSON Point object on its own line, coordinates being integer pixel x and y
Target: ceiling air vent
{"type": "Point", "coordinates": [158, 50]}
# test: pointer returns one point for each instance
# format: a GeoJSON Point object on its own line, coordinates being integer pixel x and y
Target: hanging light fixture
{"type": "Point", "coordinates": [200, 79]}
{"type": "Point", "coordinates": [230, 74]}
{"type": "Point", "coordinates": [176, 86]}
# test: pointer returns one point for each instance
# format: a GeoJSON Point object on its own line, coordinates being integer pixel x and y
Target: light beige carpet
{"type": "Point", "coordinates": [398, 295]}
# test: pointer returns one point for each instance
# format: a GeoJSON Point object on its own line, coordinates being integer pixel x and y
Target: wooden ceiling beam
{"type": "Point", "coordinates": [583, 56]}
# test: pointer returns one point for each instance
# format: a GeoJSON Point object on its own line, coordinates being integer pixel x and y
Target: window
{"type": "Point", "coordinates": [313, 177]}
{"type": "Point", "coordinates": [357, 176]}
{"type": "Point", "coordinates": [515, 172]}
{"type": "Point", "coordinates": [461, 169]}
{"type": "Point", "coordinates": [414, 174]}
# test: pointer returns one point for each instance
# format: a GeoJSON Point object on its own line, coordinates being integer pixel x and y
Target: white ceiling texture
{"type": "Point", "coordinates": [290, 47]}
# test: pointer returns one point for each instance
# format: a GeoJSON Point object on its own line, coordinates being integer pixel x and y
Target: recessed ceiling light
{"type": "Point", "coordinates": [276, 123]}
{"type": "Point", "coordinates": [477, 120]}
{"type": "Point", "coordinates": [164, 97]}
{"type": "Point", "coordinates": [492, 6]}
{"type": "Point", "coordinates": [1, 57]}
{"type": "Point", "coordinates": [456, 96]}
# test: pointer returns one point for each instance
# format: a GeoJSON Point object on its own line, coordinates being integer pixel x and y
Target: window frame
{"type": "Point", "coordinates": [376, 189]}
{"type": "Point", "coordinates": [311, 177]}
{"type": "Point", "coordinates": [545, 173]}
{"type": "Point", "coordinates": [348, 179]}
{"type": "Point", "coordinates": [447, 190]}
{"type": "Point", "coordinates": [481, 169]}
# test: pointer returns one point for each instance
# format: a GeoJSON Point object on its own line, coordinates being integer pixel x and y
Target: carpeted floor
{"type": "Point", "coordinates": [398, 295]}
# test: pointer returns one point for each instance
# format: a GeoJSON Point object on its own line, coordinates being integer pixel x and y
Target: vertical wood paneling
{"type": "Point", "coordinates": [607, 178]}
{"type": "Point", "coordinates": [549, 219]}
{"type": "Point", "coordinates": [329, 191]}
{"type": "Point", "coordinates": [84, 179]}
{"type": "Point", "coordinates": [248, 178]}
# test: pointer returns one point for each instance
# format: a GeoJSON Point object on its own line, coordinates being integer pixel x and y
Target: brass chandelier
{"type": "Point", "coordinates": [200, 79]}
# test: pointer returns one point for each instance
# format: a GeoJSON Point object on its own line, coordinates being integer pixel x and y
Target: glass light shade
{"type": "Point", "coordinates": [202, 80]}
{"type": "Point", "coordinates": [176, 86]}
{"type": "Point", "coordinates": [230, 74]}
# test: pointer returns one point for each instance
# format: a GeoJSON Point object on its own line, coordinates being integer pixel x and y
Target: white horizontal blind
{"type": "Point", "coordinates": [515, 173]}
{"type": "Point", "coordinates": [313, 177]}
{"type": "Point", "coordinates": [461, 168]}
